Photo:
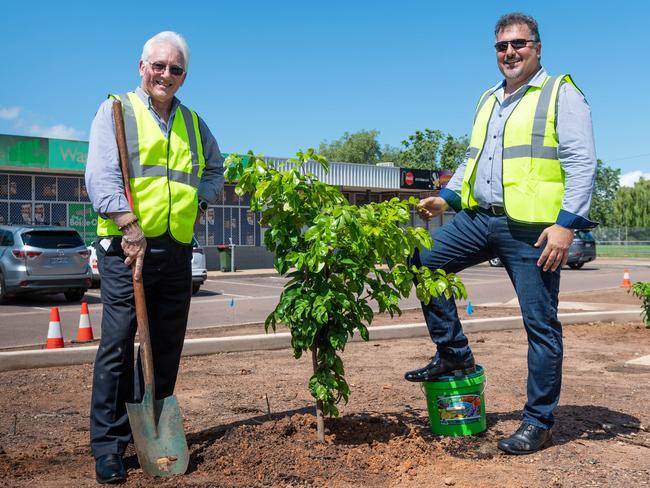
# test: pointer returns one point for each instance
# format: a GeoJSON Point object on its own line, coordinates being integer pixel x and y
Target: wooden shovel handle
{"type": "Point", "coordinates": [138, 287]}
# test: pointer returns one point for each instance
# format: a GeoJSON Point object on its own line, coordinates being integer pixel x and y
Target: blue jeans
{"type": "Point", "coordinates": [472, 238]}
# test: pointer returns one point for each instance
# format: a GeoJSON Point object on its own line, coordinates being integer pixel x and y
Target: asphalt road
{"type": "Point", "coordinates": [238, 299]}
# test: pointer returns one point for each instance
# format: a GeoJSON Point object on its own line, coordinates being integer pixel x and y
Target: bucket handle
{"type": "Point", "coordinates": [482, 390]}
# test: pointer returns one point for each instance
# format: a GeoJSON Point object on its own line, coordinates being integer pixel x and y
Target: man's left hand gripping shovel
{"type": "Point", "coordinates": [157, 425]}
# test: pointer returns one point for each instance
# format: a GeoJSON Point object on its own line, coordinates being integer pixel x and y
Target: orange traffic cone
{"type": "Point", "coordinates": [626, 283]}
{"type": "Point", "coordinates": [85, 332]}
{"type": "Point", "coordinates": [54, 336]}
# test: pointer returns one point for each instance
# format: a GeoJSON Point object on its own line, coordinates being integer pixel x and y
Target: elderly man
{"type": "Point", "coordinates": [176, 169]}
{"type": "Point", "coordinates": [524, 186]}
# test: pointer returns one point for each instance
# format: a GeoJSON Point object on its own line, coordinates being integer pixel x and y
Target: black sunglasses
{"type": "Point", "coordinates": [174, 70]}
{"type": "Point", "coordinates": [502, 46]}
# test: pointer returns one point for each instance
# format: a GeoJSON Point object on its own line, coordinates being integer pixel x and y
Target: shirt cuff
{"type": "Point", "coordinates": [451, 197]}
{"type": "Point", "coordinates": [574, 221]}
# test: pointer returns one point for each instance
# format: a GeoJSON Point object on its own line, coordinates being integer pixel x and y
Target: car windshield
{"type": "Point", "coordinates": [48, 239]}
{"type": "Point", "coordinates": [585, 235]}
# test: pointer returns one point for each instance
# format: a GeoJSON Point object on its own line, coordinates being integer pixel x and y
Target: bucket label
{"type": "Point", "coordinates": [459, 409]}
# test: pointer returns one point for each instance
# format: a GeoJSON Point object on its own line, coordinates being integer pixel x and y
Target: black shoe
{"type": "Point", "coordinates": [526, 440]}
{"type": "Point", "coordinates": [441, 367]}
{"type": "Point", "coordinates": [109, 468]}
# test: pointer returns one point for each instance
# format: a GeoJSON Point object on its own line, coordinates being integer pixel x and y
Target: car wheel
{"type": "Point", "coordinates": [75, 294]}
{"type": "Point", "coordinates": [195, 288]}
{"type": "Point", "coordinates": [3, 293]}
{"type": "Point", "coordinates": [576, 265]}
{"type": "Point", "coordinates": [495, 262]}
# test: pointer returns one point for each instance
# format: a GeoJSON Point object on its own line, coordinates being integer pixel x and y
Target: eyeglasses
{"type": "Point", "coordinates": [160, 68]}
{"type": "Point", "coordinates": [502, 46]}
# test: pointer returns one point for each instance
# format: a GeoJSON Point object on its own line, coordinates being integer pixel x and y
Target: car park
{"type": "Point", "coordinates": [199, 271]}
{"type": "Point", "coordinates": [43, 259]}
{"type": "Point", "coordinates": [582, 250]}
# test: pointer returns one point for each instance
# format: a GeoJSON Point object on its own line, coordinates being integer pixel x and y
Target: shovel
{"type": "Point", "coordinates": [157, 425]}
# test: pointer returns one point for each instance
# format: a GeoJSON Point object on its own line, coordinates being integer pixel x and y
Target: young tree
{"type": "Point", "coordinates": [339, 259]}
{"type": "Point", "coordinates": [605, 189]}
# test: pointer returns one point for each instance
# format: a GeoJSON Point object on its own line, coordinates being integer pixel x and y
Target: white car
{"type": "Point", "coordinates": [199, 271]}
{"type": "Point", "coordinates": [92, 262]}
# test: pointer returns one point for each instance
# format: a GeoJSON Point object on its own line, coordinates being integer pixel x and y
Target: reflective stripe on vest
{"type": "Point", "coordinates": [164, 172]}
{"type": "Point", "coordinates": [533, 179]}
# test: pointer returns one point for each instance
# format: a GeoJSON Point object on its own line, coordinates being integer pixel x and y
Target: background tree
{"type": "Point", "coordinates": [632, 205]}
{"type": "Point", "coordinates": [605, 191]}
{"type": "Point", "coordinates": [453, 152]}
{"type": "Point", "coordinates": [432, 149]}
{"type": "Point", "coordinates": [390, 153]}
{"type": "Point", "coordinates": [359, 147]}
{"type": "Point", "coordinates": [421, 150]}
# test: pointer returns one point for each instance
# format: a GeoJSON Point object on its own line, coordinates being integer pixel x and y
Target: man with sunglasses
{"type": "Point", "coordinates": [175, 170]}
{"type": "Point", "coordinates": [524, 187]}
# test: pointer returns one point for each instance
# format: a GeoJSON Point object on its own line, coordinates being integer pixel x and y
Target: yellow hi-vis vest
{"type": "Point", "coordinates": [164, 172]}
{"type": "Point", "coordinates": [533, 179]}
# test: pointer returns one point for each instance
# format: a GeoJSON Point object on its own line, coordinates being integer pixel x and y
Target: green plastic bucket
{"type": "Point", "coordinates": [456, 404]}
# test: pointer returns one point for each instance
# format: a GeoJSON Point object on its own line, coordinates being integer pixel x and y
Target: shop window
{"type": "Point", "coordinates": [4, 213]}
{"type": "Point", "coordinates": [20, 187]}
{"type": "Point", "coordinates": [231, 225]}
{"type": "Point", "coordinates": [59, 214]}
{"type": "Point", "coordinates": [45, 188]}
{"type": "Point", "coordinates": [20, 213]}
{"type": "Point", "coordinates": [215, 226]}
{"type": "Point", "coordinates": [231, 198]}
{"type": "Point", "coordinates": [68, 189]}
{"type": "Point", "coordinates": [247, 219]}
{"type": "Point", "coordinates": [4, 187]}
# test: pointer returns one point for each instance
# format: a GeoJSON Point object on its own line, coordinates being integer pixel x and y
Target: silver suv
{"type": "Point", "coordinates": [43, 259]}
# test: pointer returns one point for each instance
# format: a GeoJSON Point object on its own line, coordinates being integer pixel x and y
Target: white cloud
{"type": "Point", "coordinates": [9, 113]}
{"type": "Point", "coordinates": [58, 131]}
{"type": "Point", "coordinates": [629, 179]}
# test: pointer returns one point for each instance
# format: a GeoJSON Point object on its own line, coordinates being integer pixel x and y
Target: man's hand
{"type": "Point", "coordinates": [556, 252]}
{"type": "Point", "coordinates": [134, 249]}
{"type": "Point", "coordinates": [431, 207]}
{"type": "Point", "coordinates": [133, 242]}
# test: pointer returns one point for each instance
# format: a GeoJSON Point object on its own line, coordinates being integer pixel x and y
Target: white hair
{"type": "Point", "coordinates": [168, 37]}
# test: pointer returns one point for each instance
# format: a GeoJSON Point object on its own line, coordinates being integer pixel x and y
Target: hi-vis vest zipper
{"type": "Point", "coordinates": [533, 179]}
{"type": "Point", "coordinates": [164, 172]}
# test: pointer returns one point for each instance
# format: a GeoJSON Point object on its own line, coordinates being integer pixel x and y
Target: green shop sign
{"type": "Point", "coordinates": [83, 219]}
{"type": "Point", "coordinates": [68, 154]}
{"type": "Point", "coordinates": [39, 152]}
{"type": "Point", "coordinates": [29, 152]}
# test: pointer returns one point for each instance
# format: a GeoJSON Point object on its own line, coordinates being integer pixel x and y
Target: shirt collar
{"type": "Point", "coordinates": [536, 80]}
{"type": "Point", "coordinates": [144, 96]}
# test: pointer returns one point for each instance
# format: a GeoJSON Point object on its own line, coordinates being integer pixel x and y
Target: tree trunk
{"type": "Point", "coordinates": [320, 422]}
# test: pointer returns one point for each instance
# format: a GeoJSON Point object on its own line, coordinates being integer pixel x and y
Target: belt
{"type": "Point", "coordinates": [496, 210]}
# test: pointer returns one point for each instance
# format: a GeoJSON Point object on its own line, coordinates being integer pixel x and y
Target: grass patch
{"type": "Point", "coordinates": [623, 251]}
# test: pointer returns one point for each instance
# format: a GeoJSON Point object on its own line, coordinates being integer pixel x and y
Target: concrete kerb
{"type": "Point", "coordinates": [27, 359]}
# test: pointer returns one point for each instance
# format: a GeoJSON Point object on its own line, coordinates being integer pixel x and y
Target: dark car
{"type": "Point", "coordinates": [582, 250]}
{"type": "Point", "coordinates": [43, 259]}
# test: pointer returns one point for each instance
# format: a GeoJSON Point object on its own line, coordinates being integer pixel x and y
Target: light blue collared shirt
{"type": "Point", "coordinates": [576, 152]}
{"type": "Point", "coordinates": [103, 174]}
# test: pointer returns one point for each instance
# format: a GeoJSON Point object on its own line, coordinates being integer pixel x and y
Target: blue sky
{"type": "Point", "coordinates": [280, 76]}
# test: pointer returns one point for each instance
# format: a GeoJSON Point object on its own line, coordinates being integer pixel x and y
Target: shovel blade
{"type": "Point", "coordinates": [159, 440]}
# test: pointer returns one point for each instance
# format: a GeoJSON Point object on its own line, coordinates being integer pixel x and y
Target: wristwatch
{"type": "Point", "coordinates": [203, 205]}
